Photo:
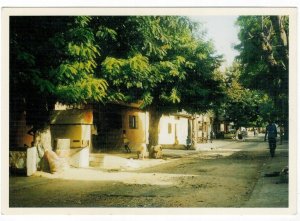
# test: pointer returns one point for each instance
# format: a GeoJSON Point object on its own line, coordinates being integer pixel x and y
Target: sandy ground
{"type": "Point", "coordinates": [222, 177]}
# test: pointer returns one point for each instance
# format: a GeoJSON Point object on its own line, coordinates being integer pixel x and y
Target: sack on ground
{"type": "Point", "coordinates": [56, 163]}
{"type": "Point", "coordinates": [156, 152]}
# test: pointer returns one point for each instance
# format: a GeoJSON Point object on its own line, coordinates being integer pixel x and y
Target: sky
{"type": "Point", "coordinates": [223, 32]}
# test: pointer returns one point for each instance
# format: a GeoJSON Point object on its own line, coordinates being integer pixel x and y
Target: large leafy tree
{"type": "Point", "coordinates": [163, 64]}
{"type": "Point", "coordinates": [51, 59]}
{"type": "Point", "coordinates": [265, 59]}
{"type": "Point", "coordinates": [159, 60]}
{"type": "Point", "coordinates": [55, 56]}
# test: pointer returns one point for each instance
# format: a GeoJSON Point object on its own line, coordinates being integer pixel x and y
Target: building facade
{"type": "Point", "coordinates": [113, 121]}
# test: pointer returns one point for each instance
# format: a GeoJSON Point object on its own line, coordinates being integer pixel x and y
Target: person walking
{"type": "Point", "coordinates": [271, 132]}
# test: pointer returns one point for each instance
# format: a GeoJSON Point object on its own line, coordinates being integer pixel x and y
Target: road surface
{"type": "Point", "coordinates": [222, 177]}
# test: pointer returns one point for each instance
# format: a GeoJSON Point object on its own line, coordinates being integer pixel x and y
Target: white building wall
{"type": "Point", "coordinates": [182, 132]}
{"type": "Point", "coordinates": [179, 125]}
{"type": "Point", "coordinates": [164, 137]}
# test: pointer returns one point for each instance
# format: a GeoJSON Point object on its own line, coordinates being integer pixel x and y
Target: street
{"type": "Point", "coordinates": [226, 176]}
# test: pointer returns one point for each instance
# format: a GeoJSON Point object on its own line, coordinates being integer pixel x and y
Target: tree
{"type": "Point", "coordinates": [51, 59]}
{"type": "Point", "coordinates": [264, 57]}
{"type": "Point", "coordinates": [159, 60]}
{"type": "Point", "coordinates": [242, 106]}
{"type": "Point", "coordinates": [163, 64]}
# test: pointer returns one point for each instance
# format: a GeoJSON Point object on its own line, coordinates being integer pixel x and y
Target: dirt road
{"type": "Point", "coordinates": [224, 177]}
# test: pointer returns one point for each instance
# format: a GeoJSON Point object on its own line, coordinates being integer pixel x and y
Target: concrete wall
{"type": "Point", "coordinates": [76, 134]}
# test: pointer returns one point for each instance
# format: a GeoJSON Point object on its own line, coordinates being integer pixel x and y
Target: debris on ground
{"type": "Point", "coordinates": [284, 175]}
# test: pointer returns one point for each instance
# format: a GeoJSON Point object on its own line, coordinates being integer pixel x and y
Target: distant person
{"type": "Point", "coordinates": [239, 135]}
{"type": "Point", "coordinates": [188, 142]}
{"type": "Point", "coordinates": [212, 136]}
{"type": "Point", "coordinates": [271, 132]}
{"type": "Point", "coordinates": [126, 142]}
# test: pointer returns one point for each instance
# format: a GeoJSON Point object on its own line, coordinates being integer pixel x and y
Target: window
{"type": "Point", "coordinates": [133, 123]}
{"type": "Point", "coordinates": [169, 128]}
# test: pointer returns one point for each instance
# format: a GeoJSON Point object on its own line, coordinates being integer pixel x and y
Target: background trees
{"type": "Point", "coordinates": [242, 106]}
{"type": "Point", "coordinates": [264, 57]}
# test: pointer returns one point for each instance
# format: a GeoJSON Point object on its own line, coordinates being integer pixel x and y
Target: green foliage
{"type": "Point", "coordinates": [242, 106]}
{"type": "Point", "coordinates": [74, 75]}
{"type": "Point", "coordinates": [165, 65]}
{"type": "Point", "coordinates": [158, 60]}
{"type": "Point", "coordinates": [264, 59]}
{"type": "Point", "coordinates": [53, 59]}
{"type": "Point", "coordinates": [127, 73]}
{"type": "Point", "coordinates": [80, 91]}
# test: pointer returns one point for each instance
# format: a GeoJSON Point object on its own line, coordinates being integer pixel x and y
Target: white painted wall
{"type": "Point", "coordinates": [182, 132]}
{"type": "Point", "coordinates": [181, 125]}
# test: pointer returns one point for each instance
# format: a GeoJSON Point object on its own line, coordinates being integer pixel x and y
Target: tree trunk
{"type": "Point", "coordinates": [154, 117]}
{"type": "Point", "coordinates": [277, 22]}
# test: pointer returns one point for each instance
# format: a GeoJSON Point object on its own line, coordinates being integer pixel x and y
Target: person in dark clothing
{"type": "Point", "coordinates": [271, 132]}
{"type": "Point", "coordinates": [188, 142]}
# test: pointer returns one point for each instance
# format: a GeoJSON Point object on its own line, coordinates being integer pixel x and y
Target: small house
{"type": "Point", "coordinates": [174, 130]}
{"type": "Point", "coordinates": [113, 121]}
{"type": "Point", "coordinates": [71, 131]}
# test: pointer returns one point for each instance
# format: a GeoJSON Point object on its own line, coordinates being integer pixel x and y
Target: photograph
{"type": "Point", "coordinates": [187, 110]}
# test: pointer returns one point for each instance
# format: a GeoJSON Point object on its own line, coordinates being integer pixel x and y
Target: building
{"type": "Point", "coordinates": [202, 126]}
{"type": "Point", "coordinates": [174, 129]}
{"type": "Point", "coordinates": [95, 128]}
{"type": "Point", "coordinates": [112, 121]}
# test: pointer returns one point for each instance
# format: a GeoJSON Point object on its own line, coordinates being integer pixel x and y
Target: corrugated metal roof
{"type": "Point", "coordinates": [73, 116]}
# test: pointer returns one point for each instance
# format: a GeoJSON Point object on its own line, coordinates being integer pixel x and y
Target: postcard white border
{"type": "Point", "coordinates": [6, 12]}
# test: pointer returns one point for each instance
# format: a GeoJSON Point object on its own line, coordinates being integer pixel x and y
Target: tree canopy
{"type": "Point", "coordinates": [159, 60]}
{"type": "Point", "coordinates": [167, 67]}
{"type": "Point", "coordinates": [52, 59]}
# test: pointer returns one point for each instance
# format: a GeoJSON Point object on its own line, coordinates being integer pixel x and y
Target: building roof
{"type": "Point", "coordinates": [72, 116]}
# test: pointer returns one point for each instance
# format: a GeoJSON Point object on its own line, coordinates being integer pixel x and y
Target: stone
{"type": "Point", "coordinates": [31, 161]}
